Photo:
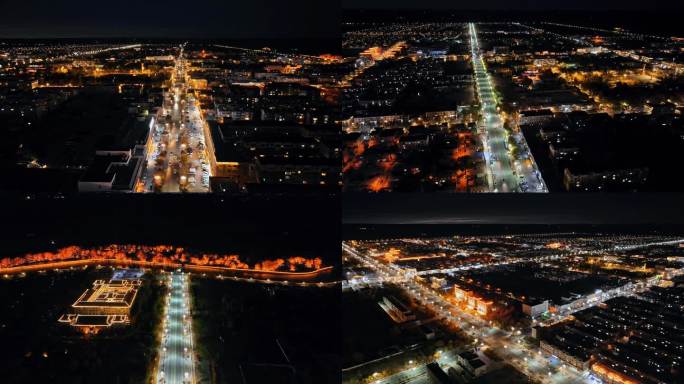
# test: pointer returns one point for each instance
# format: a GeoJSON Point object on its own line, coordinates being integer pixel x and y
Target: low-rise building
{"type": "Point", "coordinates": [396, 310]}
{"type": "Point", "coordinates": [106, 304]}
{"type": "Point", "coordinates": [112, 171]}
{"type": "Point", "coordinates": [535, 309]}
{"type": "Point", "coordinates": [471, 363]}
{"type": "Point", "coordinates": [535, 116]}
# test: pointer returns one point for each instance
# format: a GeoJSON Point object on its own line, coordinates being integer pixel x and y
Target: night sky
{"type": "Point", "coordinates": [255, 19]}
{"type": "Point", "coordinates": [512, 208]}
{"type": "Point", "coordinates": [516, 4]}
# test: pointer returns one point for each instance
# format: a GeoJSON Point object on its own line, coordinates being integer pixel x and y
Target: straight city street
{"type": "Point", "coordinates": [177, 365]}
{"type": "Point", "coordinates": [505, 173]}
{"type": "Point", "coordinates": [177, 158]}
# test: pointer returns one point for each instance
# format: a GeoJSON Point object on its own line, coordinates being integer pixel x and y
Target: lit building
{"type": "Point", "coordinates": [472, 301]}
{"type": "Point", "coordinates": [619, 179]}
{"type": "Point", "coordinates": [535, 117]}
{"type": "Point", "coordinates": [103, 305]}
{"type": "Point", "coordinates": [610, 376]}
{"type": "Point", "coordinates": [535, 309]}
{"type": "Point", "coordinates": [566, 352]}
{"type": "Point", "coordinates": [472, 363]}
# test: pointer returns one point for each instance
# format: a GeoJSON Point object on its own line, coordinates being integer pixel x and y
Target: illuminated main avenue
{"type": "Point", "coordinates": [177, 359]}
{"type": "Point", "coordinates": [177, 158]}
{"type": "Point", "coordinates": [505, 173]}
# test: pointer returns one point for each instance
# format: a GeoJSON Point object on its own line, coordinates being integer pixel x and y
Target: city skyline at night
{"type": "Point", "coordinates": [342, 192]}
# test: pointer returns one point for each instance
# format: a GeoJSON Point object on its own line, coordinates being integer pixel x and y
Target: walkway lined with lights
{"type": "Point", "coordinates": [176, 362]}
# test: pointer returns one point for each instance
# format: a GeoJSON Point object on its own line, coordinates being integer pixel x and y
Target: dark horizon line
{"type": "Point", "coordinates": [278, 38]}
{"type": "Point", "coordinates": [596, 10]}
{"type": "Point", "coordinates": [437, 231]}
